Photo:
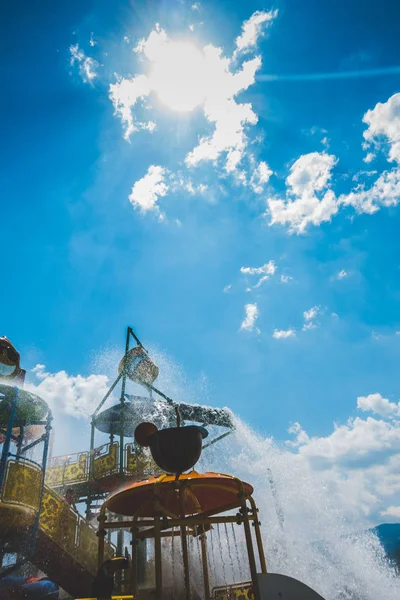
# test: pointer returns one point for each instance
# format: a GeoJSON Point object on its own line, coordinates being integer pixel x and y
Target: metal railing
{"type": "Point", "coordinates": [58, 520]}
{"type": "Point", "coordinates": [102, 463]}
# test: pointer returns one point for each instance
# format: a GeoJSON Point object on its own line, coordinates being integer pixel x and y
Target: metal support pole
{"type": "Point", "coordinates": [249, 541]}
{"type": "Point", "coordinates": [158, 556]}
{"type": "Point", "coordinates": [219, 438]}
{"type": "Point", "coordinates": [134, 569]}
{"type": "Point", "coordinates": [260, 546]}
{"type": "Point", "coordinates": [111, 389]}
{"type": "Point", "coordinates": [20, 441]}
{"type": "Point", "coordinates": [206, 577]}
{"type": "Point", "coordinates": [7, 441]}
{"type": "Point", "coordinates": [184, 543]}
{"type": "Point", "coordinates": [44, 465]}
{"type": "Point", "coordinates": [141, 554]}
{"type": "Point", "coordinates": [135, 337]}
{"type": "Point", "coordinates": [101, 535]}
{"type": "Point", "coordinates": [91, 469]}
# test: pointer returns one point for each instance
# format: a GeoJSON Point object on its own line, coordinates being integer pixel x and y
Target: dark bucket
{"type": "Point", "coordinates": [177, 449]}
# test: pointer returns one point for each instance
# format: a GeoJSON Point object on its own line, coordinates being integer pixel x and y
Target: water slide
{"type": "Point", "coordinates": [65, 545]}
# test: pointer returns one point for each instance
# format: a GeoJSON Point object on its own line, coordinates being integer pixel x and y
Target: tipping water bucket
{"type": "Point", "coordinates": [138, 366]}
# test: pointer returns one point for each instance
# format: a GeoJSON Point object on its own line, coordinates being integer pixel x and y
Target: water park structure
{"type": "Point", "coordinates": [190, 535]}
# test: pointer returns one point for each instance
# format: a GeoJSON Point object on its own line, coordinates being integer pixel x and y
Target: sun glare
{"type": "Point", "coordinates": [178, 76]}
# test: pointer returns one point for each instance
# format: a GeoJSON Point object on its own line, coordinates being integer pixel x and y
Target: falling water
{"type": "Point", "coordinates": [305, 532]}
{"type": "Point", "coordinates": [310, 532]}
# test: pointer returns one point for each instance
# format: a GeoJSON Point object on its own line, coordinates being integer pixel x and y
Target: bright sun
{"type": "Point", "coordinates": [178, 76]}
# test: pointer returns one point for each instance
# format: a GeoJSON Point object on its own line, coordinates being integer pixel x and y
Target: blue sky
{"type": "Point", "coordinates": [299, 185]}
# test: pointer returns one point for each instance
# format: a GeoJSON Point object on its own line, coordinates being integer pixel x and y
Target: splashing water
{"type": "Point", "coordinates": [310, 531]}
{"type": "Point", "coordinates": [312, 542]}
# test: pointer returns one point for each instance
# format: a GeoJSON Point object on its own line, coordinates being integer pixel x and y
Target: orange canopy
{"type": "Point", "coordinates": [201, 492]}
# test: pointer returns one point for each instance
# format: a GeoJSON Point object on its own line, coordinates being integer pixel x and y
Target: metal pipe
{"type": "Point", "coordinates": [184, 543]}
{"type": "Point", "coordinates": [187, 522]}
{"type": "Point", "coordinates": [134, 581]}
{"type": "Point", "coordinates": [42, 483]}
{"type": "Point", "coordinates": [107, 395]}
{"type": "Point", "coordinates": [101, 535]}
{"type": "Point", "coordinates": [20, 441]}
{"type": "Point", "coordinates": [260, 546]}
{"type": "Point", "coordinates": [7, 441]}
{"type": "Point", "coordinates": [221, 437]}
{"type": "Point", "coordinates": [206, 577]}
{"type": "Point", "coordinates": [157, 556]}
{"type": "Point", "coordinates": [135, 337]}
{"type": "Point", "coordinates": [249, 541]}
{"type": "Point", "coordinates": [91, 468]}
{"type": "Point", "coordinates": [12, 436]}
{"type": "Point", "coordinates": [32, 444]}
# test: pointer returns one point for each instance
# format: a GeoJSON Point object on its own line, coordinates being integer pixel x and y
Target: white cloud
{"type": "Point", "coordinates": [311, 173]}
{"type": "Point", "coordinates": [227, 288]}
{"type": "Point", "coordinates": [183, 77]}
{"type": "Point", "coordinates": [378, 405]}
{"type": "Point", "coordinates": [281, 334]}
{"type": "Point", "coordinates": [92, 41]}
{"type": "Point", "coordinates": [391, 511]}
{"type": "Point", "coordinates": [325, 142]}
{"type": "Point", "coordinates": [221, 109]}
{"type": "Point", "coordinates": [146, 191]}
{"type": "Point", "coordinates": [251, 312]}
{"type": "Point", "coordinates": [260, 281]}
{"type": "Point", "coordinates": [308, 326]}
{"type": "Point", "coordinates": [384, 121]}
{"type": "Point", "coordinates": [196, 6]}
{"type": "Point", "coordinates": [72, 395]}
{"type": "Point", "coordinates": [87, 65]}
{"type": "Point", "coordinates": [384, 192]}
{"type": "Point", "coordinates": [192, 188]}
{"type": "Point", "coordinates": [252, 29]}
{"type": "Point", "coordinates": [383, 126]}
{"type": "Point", "coordinates": [358, 461]}
{"type": "Point", "coordinates": [260, 177]}
{"type": "Point", "coordinates": [124, 95]}
{"type": "Point", "coordinates": [308, 197]}
{"type": "Point", "coordinates": [308, 201]}
{"type": "Point", "coordinates": [369, 157]}
{"type": "Point", "coordinates": [342, 274]}
{"type": "Point", "coordinates": [311, 313]}
{"type": "Point", "coordinates": [355, 439]}
{"type": "Point", "coordinates": [286, 278]}
{"type": "Point", "coordinates": [266, 271]}
{"type": "Point", "coordinates": [301, 436]}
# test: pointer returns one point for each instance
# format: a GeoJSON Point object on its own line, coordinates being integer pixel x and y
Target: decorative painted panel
{"type": "Point", "coordinates": [22, 484]}
{"type": "Point", "coordinates": [238, 591]}
{"type": "Point", "coordinates": [108, 463]}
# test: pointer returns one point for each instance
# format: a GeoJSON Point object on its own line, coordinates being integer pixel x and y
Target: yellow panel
{"type": "Point", "coordinates": [108, 463]}
{"type": "Point", "coordinates": [109, 551]}
{"type": "Point", "coordinates": [66, 473]}
{"type": "Point", "coordinates": [234, 592]}
{"type": "Point", "coordinates": [54, 476]}
{"type": "Point", "coordinates": [58, 520]}
{"type": "Point", "coordinates": [113, 598]}
{"type": "Point", "coordinates": [77, 472]}
{"type": "Point", "coordinates": [87, 549]}
{"type": "Point", "coordinates": [138, 463]}
{"type": "Point", "coordinates": [22, 485]}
